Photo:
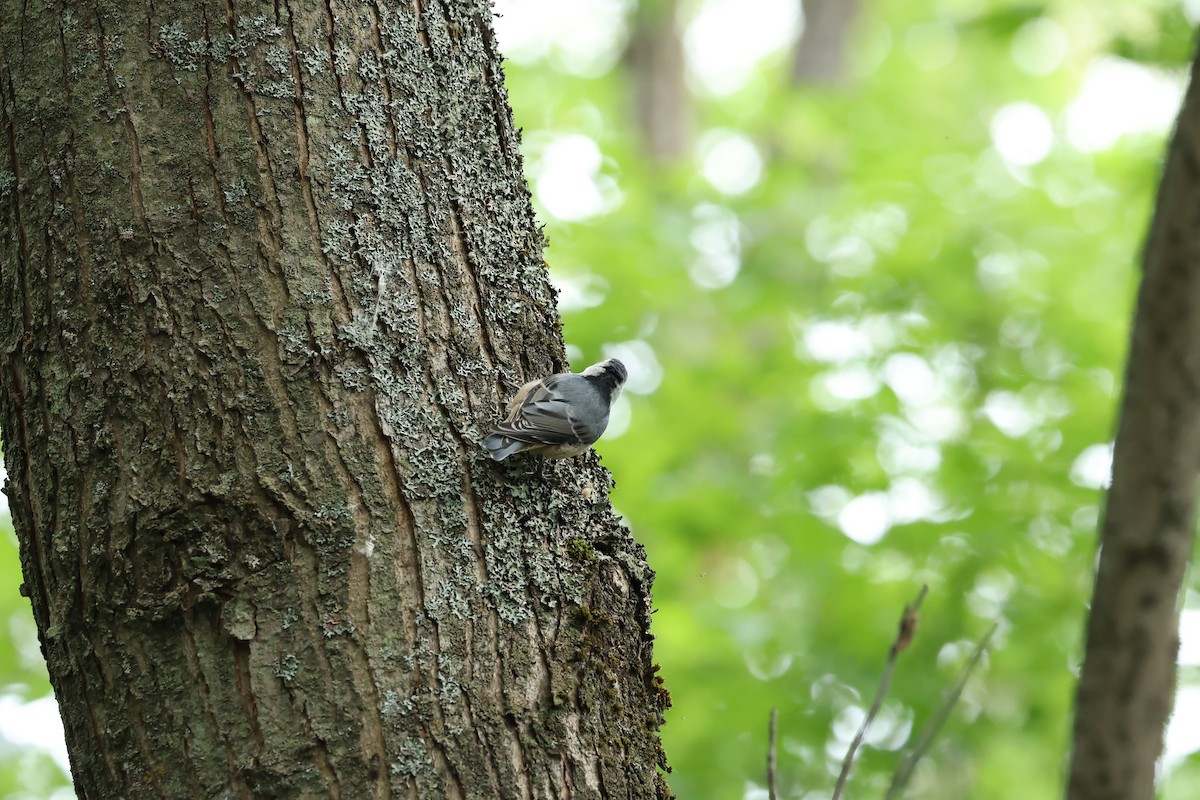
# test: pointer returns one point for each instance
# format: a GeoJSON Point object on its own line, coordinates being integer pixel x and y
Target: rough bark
{"type": "Point", "coordinates": [267, 274]}
{"type": "Point", "coordinates": [1127, 684]}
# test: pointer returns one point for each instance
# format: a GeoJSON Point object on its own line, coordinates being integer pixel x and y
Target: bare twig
{"type": "Point", "coordinates": [904, 637]}
{"type": "Point", "coordinates": [771, 793]}
{"type": "Point", "coordinates": [921, 745]}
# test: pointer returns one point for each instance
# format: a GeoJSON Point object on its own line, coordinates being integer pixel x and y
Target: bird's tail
{"type": "Point", "coordinates": [501, 447]}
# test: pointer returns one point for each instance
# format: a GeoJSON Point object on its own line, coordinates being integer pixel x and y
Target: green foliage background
{"type": "Point", "coordinates": [920, 341]}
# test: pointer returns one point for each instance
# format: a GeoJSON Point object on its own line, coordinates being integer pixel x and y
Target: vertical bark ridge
{"type": "Point", "coordinates": [276, 273]}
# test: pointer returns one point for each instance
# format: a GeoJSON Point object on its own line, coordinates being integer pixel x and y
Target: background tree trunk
{"type": "Point", "coordinates": [662, 101]}
{"type": "Point", "coordinates": [1127, 685]}
{"type": "Point", "coordinates": [266, 279]}
{"type": "Point", "coordinates": [820, 54]}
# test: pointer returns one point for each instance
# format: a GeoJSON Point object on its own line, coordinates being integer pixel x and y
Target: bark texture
{"type": "Point", "coordinates": [268, 273]}
{"type": "Point", "coordinates": [1127, 684]}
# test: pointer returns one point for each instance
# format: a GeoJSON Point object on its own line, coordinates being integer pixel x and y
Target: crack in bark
{"type": "Point", "coordinates": [135, 150]}
{"type": "Point", "coordinates": [247, 434]}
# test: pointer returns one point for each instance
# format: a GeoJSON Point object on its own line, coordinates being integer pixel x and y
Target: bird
{"type": "Point", "coordinates": [559, 416]}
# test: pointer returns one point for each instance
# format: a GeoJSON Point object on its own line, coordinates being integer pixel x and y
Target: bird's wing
{"type": "Point", "coordinates": [520, 397]}
{"type": "Point", "coordinates": [542, 418]}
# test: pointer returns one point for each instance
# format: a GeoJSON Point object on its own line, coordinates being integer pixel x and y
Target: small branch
{"type": "Point", "coordinates": [772, 794]}
{"type": "Point", "coordinates": [904, 637]}
{"type": "Point", "coordinates": [919, 748]}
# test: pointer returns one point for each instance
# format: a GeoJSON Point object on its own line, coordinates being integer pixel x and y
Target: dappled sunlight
{"type": "Point", "coordinates": [840, 388]}
{"type": "Point", "coordinates": [912, 379]}
{"type": "Point", "coordinates": [1010, 413]}
{"type": "Point", "coordinates": [717, 243]}
{"type": "Point", "coordinates": [875, 331]}
{"type": "Point", "coordinates": [567, 177]}
{"type": "Point", "coordinates": [890, 730]}
{"type": "Point", "coordinates": [729, 161]}
{"type": "Point", "coordinates": [34, 724]}
{"type": "Point", "coordinates": [866, 518]}
{"type": "Point", "coordinates": [726, 40]}
{"type": "Point", "coordinates": [1022, 133]}
{"type": "Point", "coordinates": [1093, 467]}
{"type": "Point", "coordinates": [847, 252]}
{"type": "Point", "coordinates": [1118, 97]}
{"type": "Point", "coordinates": [579, 290]}
{"type": "Point", "coordinates": [768, 668]}
{"type": "Point", "coordinates": [991, 592]}
{"type": "Point", "coordinates": [619, 419]}
{"type": "Point", "coordinates": [834, 341]}
{"type": "Point", "coordinates": [645, 372]}
{"type": "Point", "coordinates": [1040, 46]}
{"type": "Point", "coordinates": [901, 450]}
{"type": "Point", "coordinates": [532, 31]}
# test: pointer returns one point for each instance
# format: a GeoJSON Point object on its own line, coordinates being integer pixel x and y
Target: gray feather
{"type": "Point", "coordinates": [501, 447]}
{"type": "Point", "coordinates": [562, 414]}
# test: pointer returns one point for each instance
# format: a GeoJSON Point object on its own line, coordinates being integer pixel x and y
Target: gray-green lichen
{"type": "Point", "coordinates": [291, 275]}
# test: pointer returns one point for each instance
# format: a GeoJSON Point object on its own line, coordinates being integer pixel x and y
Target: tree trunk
{"type": "Point", "coordinates": [265, 282]}
{"type": "Point", "coordinates": [820, 54]}
{"type": "Point", "coordinates": [662, 101]}
{"type": "Point", "coordinates": [1127, 684]}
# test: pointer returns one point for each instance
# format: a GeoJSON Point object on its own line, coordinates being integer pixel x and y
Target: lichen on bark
{"type": "Point", "coordinates": [267, 275]}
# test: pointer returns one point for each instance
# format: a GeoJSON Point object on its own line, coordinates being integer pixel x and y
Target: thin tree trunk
{"type": "Point", "coordinates": [663, 103]}
{"type": "Point", "coordinates": [1127, 684]}
{"type": "Point", "coordinates": [820, 54]}
{"type": "Point", "coordinates": [265, 281]}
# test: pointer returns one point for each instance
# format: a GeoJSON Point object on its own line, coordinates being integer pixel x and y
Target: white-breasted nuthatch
{"type": "Point", "coordinates": [559, 416]}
